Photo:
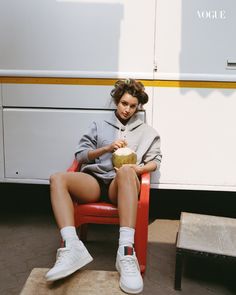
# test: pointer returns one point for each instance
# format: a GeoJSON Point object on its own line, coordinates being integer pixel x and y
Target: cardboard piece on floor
{"type": "Point", "coordinates": [83, 282]}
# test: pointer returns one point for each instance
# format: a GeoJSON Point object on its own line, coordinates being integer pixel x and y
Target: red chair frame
{"type": "Point", "coordinates": [106, 213]}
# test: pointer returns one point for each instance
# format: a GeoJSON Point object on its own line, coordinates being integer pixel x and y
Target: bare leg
{"type": "Point", "coordinates": [63, 186]}
{"type": "Point", "coordinates": [82, 186]}
{"type": "Point", "coordinates": [124, 190]}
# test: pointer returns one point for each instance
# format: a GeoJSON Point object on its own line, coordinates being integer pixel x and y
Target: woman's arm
{"type": "Point", "coordinates": [141, 169]}
{"type": "Point", "coordinates": [93, 154]}
{"type": "Point", "coordinates": [149, 167]}
{"type": "Point", "coordinates": [87, 150]}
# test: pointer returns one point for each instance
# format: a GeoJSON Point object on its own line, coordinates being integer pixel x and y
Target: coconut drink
{"type": "Point", "coordinates": [123, 156]}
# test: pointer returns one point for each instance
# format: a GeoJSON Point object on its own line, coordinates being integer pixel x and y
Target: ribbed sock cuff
{"type": "Point", "coordinates": [69, 233]}
{"type": "Point", "coordinates": [126, 236]}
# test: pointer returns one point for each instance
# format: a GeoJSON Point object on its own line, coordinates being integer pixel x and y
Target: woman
{"type": "Point", "coordinates": [98, 176]}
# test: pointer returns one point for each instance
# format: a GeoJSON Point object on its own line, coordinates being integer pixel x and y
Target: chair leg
{"type": "Point", "coordinates": [141, 247]}
{"type": "Point", "coordinates": [141, 239]}
{"type": "Point", "coordinates": [83, 232]}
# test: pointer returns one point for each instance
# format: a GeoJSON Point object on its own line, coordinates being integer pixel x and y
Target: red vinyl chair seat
{"type": "Point", "coordinates": [106, 213]}
{"type": "Point", "coordinates": [100, 209]}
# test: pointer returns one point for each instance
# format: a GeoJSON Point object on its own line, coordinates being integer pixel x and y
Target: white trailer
{"type": "Point", "coordinates": [60, 58]}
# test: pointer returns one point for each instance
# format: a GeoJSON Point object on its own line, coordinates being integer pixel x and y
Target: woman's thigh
{"type": "Point", "coordinates": [113, 189]}
{"type": "Point", "coordinates": [82, 186]}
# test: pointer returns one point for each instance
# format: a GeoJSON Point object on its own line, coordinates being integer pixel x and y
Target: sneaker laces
{"type": "Point", "coordinates": [129, 264]}
{"type": "Point", "coordinates": [61, 255]}
{"type": "Point", "coordinates": [67, 255]}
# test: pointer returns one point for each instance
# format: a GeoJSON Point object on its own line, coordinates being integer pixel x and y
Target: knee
{"type": "Point", "coordinates": [56, 179]}
{"type": "Point", "coordinates": [126, 172]}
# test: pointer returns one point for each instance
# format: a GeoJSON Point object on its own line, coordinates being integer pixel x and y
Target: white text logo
{"type": "Point", "coordinates": [211, 14]}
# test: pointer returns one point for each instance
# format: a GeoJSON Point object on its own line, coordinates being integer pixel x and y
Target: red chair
{"type": "Point", "coordinates": [106, 213]}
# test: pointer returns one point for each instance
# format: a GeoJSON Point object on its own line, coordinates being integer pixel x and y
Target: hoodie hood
{"type": "Point", "coordinates": [132, 124]}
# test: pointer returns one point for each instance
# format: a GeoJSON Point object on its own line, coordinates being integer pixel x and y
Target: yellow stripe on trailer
{"type": "Point", "coordinates": [108, 82]}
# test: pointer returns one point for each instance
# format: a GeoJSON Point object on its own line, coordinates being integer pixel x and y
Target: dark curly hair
{"type": "Point", "coordinates": [131, 86]}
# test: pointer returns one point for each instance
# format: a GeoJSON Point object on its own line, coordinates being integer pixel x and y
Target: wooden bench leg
{"type": "Point", "coordinates": [178, 270]}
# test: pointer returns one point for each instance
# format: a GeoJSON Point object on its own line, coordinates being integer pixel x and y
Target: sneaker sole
{"type": "Point", "coordinates": [64, 274]}
{"type": "Point", "coordinates": [124, 288]}
{"type": "Point", "coordinates": [130, 291]}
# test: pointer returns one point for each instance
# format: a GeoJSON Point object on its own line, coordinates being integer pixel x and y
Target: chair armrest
{"type": "Point", "coordinates": [74, 166]}
{"type": "Point", "coordinates": [145, 188]}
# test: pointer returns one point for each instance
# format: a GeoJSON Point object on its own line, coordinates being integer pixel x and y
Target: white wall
{"type": "Point", "coordinates": [43, 124]}
{"type": "Point", "coordinates": [1, 139]}
{"type": "Point", "coordinates": [56, 96]}
{"type": "Point", "coordinates": [194, 40]}
{"type": "Point", "coordinates": [40, 142]}
{"type": "Point", "coordinates": [198, 137]}
{"type": "Point", "coordinates": [187, 39]}
{"type": "Point", "coordinates": [102, 38]}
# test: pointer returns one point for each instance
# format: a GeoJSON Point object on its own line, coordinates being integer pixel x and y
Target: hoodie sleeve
{"type": "Point", "coordinates": [87, 142]}
{"type": "Point", "coordinates": [154, 152]}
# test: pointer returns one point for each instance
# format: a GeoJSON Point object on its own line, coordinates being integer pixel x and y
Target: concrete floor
{"type": "Point", "coordinates": [29, 239]}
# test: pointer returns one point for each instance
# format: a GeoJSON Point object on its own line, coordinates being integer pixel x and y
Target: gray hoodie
{"type": "Point", "coordinates": [141, 138]}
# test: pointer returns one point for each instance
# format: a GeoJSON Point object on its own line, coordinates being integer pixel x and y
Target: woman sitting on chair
{"type": "Point", "coordinates": [98, 177]}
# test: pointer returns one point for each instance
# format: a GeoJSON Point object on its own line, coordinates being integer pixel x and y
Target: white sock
{"type": "Point", "coordinates": [69, 234]}
{"type": "Point", "coordinates": [126, 237]}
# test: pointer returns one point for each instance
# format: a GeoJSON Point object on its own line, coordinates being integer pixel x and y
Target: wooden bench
{"type": "Point", "coordinates": [206, 236]}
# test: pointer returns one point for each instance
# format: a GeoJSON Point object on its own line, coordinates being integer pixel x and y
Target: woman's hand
{"type": "Point", "coordinates": [94, 154]}
{"type": "Point", "coordinates": [116, 145]}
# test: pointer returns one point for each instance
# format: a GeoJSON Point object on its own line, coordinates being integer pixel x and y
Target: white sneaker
{"type": "Point", "coordinates": [68, 260]}
{"type": "Point", "coordinates": [127, 265]}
